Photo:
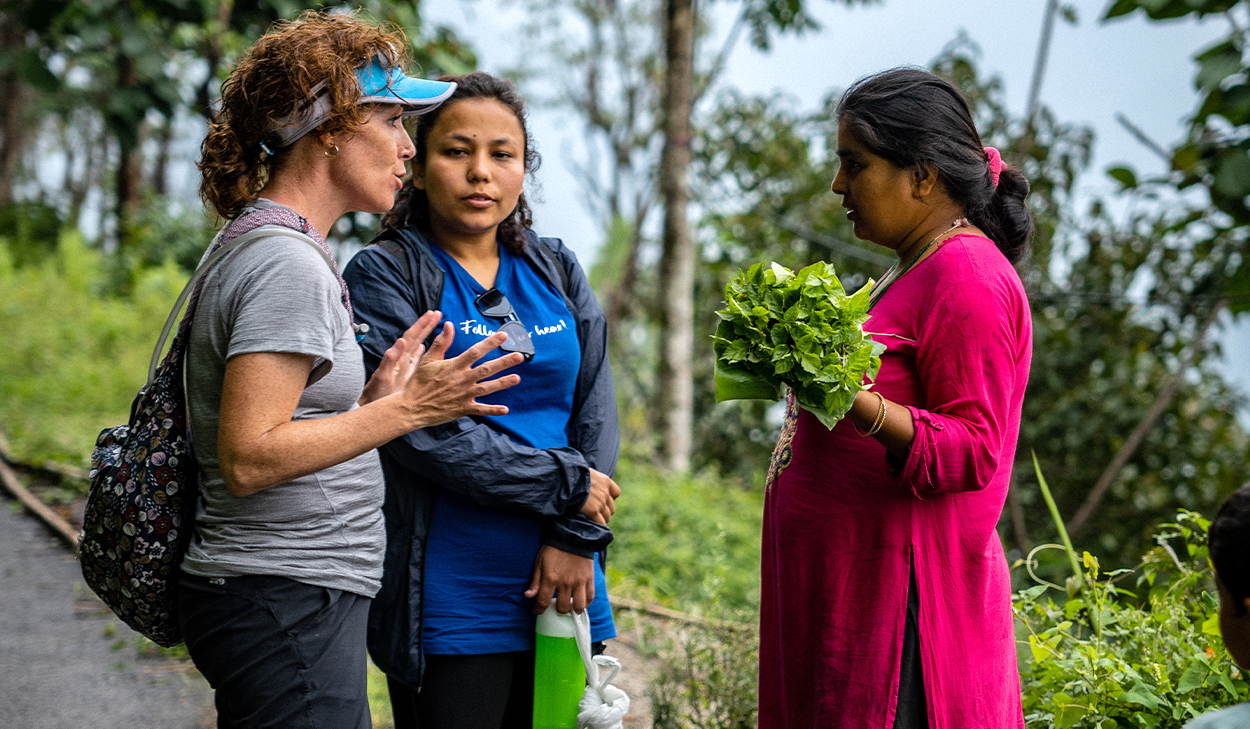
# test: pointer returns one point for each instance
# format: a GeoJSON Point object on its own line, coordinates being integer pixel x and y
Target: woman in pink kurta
{"type": "Point", "coordinates": [886, 595]}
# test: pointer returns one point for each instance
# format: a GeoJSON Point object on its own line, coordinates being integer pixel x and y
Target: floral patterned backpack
{"type": "Point", "coordinates": [140, 509]}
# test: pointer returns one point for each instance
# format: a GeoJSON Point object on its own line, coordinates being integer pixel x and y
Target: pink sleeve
{"type": "Point", "coordinates": [968, 364]}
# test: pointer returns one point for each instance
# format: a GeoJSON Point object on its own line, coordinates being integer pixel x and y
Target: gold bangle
{"type": "Point", "coordinates": [878, 421]}
{"type": "Point", "coordinates": [876, 426]}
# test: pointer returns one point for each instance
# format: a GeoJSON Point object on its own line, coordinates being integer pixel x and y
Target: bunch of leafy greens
{"type": "Point", "coordinates": [800, 330]}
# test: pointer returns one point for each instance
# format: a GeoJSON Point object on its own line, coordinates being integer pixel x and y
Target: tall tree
{"type": "Point", "coordinates": [676, 378]}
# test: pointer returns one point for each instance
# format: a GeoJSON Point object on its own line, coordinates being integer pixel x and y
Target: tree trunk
{"type": "Point", "coordinates": [212, 51]}
{"type": "Point", "coordinates": [129, 163]}
{"type": "Point", "coordinates": [13, 92]}
{"type": "Point", "coordinates": [160, 169]}
{"type": "Point", "coordinates": [676, 384]}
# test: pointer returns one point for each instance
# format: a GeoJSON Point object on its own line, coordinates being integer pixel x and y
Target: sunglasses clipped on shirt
{"type": "Point", "coordinates": [493, 304]}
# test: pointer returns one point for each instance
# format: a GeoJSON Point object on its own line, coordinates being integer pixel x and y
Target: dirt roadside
{"type": "Point", "coordinates": [65, 661]}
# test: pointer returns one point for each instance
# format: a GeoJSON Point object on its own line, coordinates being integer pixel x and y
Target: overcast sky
{"type": "Point", "coordinates": [1141, 69]}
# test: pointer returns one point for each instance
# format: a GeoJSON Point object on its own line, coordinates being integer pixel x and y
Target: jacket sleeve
{"type": "Point", "coordinates": [974, 342]}
{"type": "Point", "coordinates": [593, 427]}
{"type": "Point", "coordinates": [464, 456]}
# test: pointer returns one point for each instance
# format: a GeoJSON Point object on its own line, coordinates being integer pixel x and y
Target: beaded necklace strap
{"type": "Point", "coordinates": [890, 276]}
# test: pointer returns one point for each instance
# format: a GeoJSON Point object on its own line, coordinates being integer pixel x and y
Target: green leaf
{"type": "Point", "coordinates": [1125, 176]}
{"type": "Point", "coordinates": [1211, 626]}
{"type": "Point", "coordinates": [1216, 64]}
{"type": "Point", "coordinates": [737, 383]}
{"type": "Point", "coordinates": [1141, 695]}
{"type": "Point", "coordinates": [1068, 715]}
{"type": "Point", "coordinates": [1238, 289]}
{"type": "Point", "coordinates": [34, 72]}
{"type": "Point", "coordinates": [1193, 677]}
{"type": "Point", "coordinates": [1120, 7]}
{"type": "Point", "coordinates": [1227, 683]}
{"type": "Point", "coordinates": [1232, 178]}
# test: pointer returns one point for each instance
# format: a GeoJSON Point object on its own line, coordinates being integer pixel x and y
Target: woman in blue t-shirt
{"type": "Point", "coordinates": [489, 519]}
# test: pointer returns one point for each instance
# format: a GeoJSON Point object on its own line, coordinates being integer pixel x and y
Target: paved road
{"type": "Point", "coordinates": [65, 661]}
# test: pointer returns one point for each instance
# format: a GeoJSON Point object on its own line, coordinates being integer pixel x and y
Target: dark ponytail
{"type": "Point", "coordinates": [914, 118]}
{"type": "Point", "coordinates": [412, 206]}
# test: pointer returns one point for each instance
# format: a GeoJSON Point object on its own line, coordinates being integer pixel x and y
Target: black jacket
{"type": "Point", "coordinates": [552, 483]}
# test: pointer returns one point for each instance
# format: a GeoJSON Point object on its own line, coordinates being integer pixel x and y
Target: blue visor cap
{"type": "Point", "coordinates": [378, 85]}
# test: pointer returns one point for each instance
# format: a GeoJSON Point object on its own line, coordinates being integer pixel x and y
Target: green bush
{"type": "Point", "coordinates": [1105, 656]}
{"type": "Point", "coordinates": [708, 677]}
{"type": "Point", "coordinates": [682, 540]}
{"type": "Point", "coordinates": [73, 354]}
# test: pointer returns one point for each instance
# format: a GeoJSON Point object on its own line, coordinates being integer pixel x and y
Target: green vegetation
{"type": "Point", "coordinates": [801, 330]}
{"type": "Point", "coordinates": [1105, 656]}
{"type": "Point", "coordinates": [74, 354]}
{"type": "Point", "coordinates": [687, 542]}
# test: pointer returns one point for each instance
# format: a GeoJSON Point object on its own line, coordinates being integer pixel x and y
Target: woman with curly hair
{"type": "Point", "coordinates": [886, 599]}
{"type": "Point", "coordinates": [488, 519]}
{"type": "Point", "coordinates": [289, 538]}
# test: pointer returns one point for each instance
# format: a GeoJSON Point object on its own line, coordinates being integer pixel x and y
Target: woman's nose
{"type": "Point", "coordinates": [838, 186]}
{"type": "Point", "coordinates": [407, 150]}
{"type": "Point", "coordinates": [479, 170]}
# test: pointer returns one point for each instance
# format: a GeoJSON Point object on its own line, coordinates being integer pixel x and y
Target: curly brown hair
{"type": "Point", "coordinates": [274, 78]}
{"type": "Point", "coordinates": [412, 207]}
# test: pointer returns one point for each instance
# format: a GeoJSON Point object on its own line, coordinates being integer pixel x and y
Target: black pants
{"type": "Point", "coordinates": [912, 712]}
{"type": "Point", "coordinates": [279, 653]}
{"type": "Point", "coordinates": [486, 691]}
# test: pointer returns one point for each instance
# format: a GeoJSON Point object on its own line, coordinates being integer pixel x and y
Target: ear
{"type": "Point", "coordinates": [924, 180]}
{"type": "Point", "coordinates": [418, 175]}
{"type": "Point", "coordinates": [324, 141]}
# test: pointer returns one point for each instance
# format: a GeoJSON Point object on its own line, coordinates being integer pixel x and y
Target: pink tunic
{"type": "Point", "coordinates": [840, 521]}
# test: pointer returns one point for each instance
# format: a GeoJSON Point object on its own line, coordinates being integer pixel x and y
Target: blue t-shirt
{"type": "Point", "coordinates": [478, 560]}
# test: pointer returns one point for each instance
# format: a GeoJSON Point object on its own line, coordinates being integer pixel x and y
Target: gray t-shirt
{"type": "Point", "coordinates": [277, 294]}
{"type": "Point", "coordinates": [1234, 717]}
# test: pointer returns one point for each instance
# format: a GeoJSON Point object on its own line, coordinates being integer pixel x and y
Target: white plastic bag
{"type": "Point", "coordinates": [603, 705]}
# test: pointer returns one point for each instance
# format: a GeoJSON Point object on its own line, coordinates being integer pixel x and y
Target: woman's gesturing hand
{"type": "Point", "coordinates": [563, 578]}
{"type": "Point", "coordinates": [601, 502]}
{"type": "Point", "coordinates": [400, 361]}
{"type": "Point", "coordinates": [441, 390]}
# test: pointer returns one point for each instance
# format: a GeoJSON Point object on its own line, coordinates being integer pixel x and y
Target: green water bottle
{"type": "Point", "coordinates": [559, 675]}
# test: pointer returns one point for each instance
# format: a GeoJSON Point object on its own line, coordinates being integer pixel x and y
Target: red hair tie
{"type": "Point", "coordinates": [996, 164]}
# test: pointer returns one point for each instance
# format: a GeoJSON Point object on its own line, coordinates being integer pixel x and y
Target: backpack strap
{"type": "Point", "coordinates": [263, 231]}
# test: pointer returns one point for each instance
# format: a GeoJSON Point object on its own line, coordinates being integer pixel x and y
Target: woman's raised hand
{"type": "Point", "coordinates": [441, 390]}
{"type": "Point", "coordinates": [601, 502]}
{"type": "Point", "coordinates": [400, 361]}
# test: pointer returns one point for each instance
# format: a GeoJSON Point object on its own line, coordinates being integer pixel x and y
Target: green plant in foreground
{"type": "Point", "coordinates": [1104, 657]}
{"type": "Point", "coordinates": [799, 330]}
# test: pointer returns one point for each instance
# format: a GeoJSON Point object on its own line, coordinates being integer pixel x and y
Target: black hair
{"type": "Point", "coordinates": [412, 206]}
{"type": "Point", "coordinates": [1228, 542]}
{"type": "Point", "coordinates": [915, 118]}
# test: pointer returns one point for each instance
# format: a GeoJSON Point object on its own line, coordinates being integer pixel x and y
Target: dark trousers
{"type": "Point", "coordinates": [486, 691]}
{"type": "Point", "coordinates": [912, 712]}
{"type": "Point", "coordinates": [279, 653]}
